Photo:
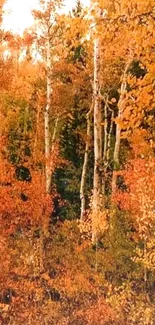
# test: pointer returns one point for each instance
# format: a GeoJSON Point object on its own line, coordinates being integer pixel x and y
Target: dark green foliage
{"type": "Point", "coordinates": [68, 178]}
{"type": "Point", "coordinates": [118, 250]}
{"type": "Point", "coordinates": [67, 182]}
{"type": "Point", "coordinates": [136, 70]}
{"type": "Point", "coordinates": [23, 174]}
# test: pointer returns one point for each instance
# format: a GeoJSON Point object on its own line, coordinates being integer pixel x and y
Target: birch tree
{"type": "Point", "coordinates": [121, 103]}
{"type": "Point", "coordinates": [108, 129]}
{"type": "Point", "coordinates": [85, 165]}
{"type": "Point", "coordinates": [97, 200]}
{"type": "Point", "coordinates": [97, 128]}
{"type": "Point", "coordinates": [47, 17]}
{"type": "Point", "coordinates": [47, 110]}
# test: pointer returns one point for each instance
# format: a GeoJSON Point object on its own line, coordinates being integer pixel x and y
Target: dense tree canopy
{"type": "Point", "coordinates": [77, 166]}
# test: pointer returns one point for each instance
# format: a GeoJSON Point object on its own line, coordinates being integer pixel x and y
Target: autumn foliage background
{"type": "Point", "coordinates": [77, 242]}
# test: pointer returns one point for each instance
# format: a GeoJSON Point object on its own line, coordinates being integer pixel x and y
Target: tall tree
{"type": "Point", "coordinates": [47, 18]}
{"type": "Point", "coordinates": [120, 105]}
{"type": "Point", "coordinates": [97, 200]}
{"type": "Point", "coordinates": [85, 165]}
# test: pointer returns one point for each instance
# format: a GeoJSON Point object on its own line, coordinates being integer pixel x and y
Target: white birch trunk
{"type": "Point", "coordinates": [97, 182]}
{"type": "Point", "coordinates": [84, 169]}
{"type": "Point", "coordinates": [119, 129]}
{"type": "Point", "coordinates": [47, 109]}
{"type": "Point", "coordinates": [54, 133]}
{"type": "Point", "coordinates": [107, 142]}
{"type": "Point", "coordinates": [105, 145]}
{"type": "Point", "coordinates": [110, 136]}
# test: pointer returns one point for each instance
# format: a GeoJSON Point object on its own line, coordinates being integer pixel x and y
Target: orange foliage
{"type": "Point", "coordinates": [139, 197]}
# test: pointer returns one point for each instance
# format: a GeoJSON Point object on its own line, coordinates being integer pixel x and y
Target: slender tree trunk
{"type": "Point", "coordinates": [105, 129]}
{"type": "Point", "coordinates": [36, 133]}
{"type": "Point", "coordinates": [85, 165]}
{"type": "Point", "coordinates": [110, 136]}
{"type": "Point", "coordinates": [97, 183]}
{"type": "Point", "coordinates": [118, 128]}
{"type": "Point", "coordinates": [105, 144]}
{"type": "Point", "coordinates": [54, 133]}
{"type": "Point", "coordinates": [47, 108]}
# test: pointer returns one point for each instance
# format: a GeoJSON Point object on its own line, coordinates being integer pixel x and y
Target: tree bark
{"type": "Point", "coordinates": [108, 128]}
{"type": "Point", "coordinates": [47, 109]}
{"type": "Point", "coordinates": [54, 133]}
{"type": "Point", "coordinates": [105, 147]}
{"type": "Point", "coordinates": [85, 165]}
{"type": "Point", "coordinates": [118, 128]}
{"type": "Point", "coordinates": [97, 182]}
{"type": "Point", "coordinates": [110, 136]}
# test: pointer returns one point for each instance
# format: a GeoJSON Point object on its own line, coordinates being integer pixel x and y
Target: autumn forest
{"type": "Point", "coordinates": [77, 166]}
